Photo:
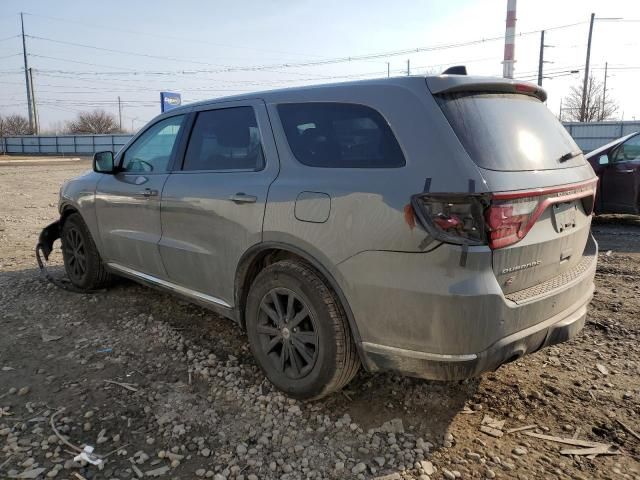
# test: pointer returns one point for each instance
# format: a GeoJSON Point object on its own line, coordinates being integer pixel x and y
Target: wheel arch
{"type": "Point", "coordinates": [259, 256]}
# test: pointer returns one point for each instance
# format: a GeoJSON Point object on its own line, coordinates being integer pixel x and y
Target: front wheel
{"type": "Point", "coordinates": [82, 261]}
{"type": "Point", "coordinates": [298, 331]}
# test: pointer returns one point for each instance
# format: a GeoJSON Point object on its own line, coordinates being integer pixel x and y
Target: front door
{"type": "Point", "coordinates": [621, 178]}
{"type": "Point", "coordinates": [213, 207]}
{"type": "Point", "coordinates": [128, 203]}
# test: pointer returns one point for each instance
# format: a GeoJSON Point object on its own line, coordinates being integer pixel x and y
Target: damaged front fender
{"type": "Point", "coordinates": [48, 235]}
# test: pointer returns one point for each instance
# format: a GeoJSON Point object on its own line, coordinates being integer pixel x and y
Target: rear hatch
{"type": "Point", "coordinates": [538, 232]}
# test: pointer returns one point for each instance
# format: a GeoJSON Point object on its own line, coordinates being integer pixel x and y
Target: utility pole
{"type": "Point", "coordinates": [586, 71]}
{"type": "Point", "coordinates": [560, 113]}
{"type": "Point", "coordinates": [509, 40]}
{"type": "Point", "coordinates": [119, 114]}
{"type": "Point", "coordinates": [26, 73]}
{"type": "Point", "coordinates": [36, 123]}
{"type": "Point", "coordinates": [541, 58]}
{"type": "Point", "coordinates": [604, 91]}
{"type": "Point", "coordinates": [408, 67]}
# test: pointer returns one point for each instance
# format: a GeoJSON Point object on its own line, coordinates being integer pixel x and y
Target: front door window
{"type": "Point", "coordinates": [151, 152]}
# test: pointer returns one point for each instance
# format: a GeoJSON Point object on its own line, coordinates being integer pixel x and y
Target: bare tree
{"type": "Point", "coordinates": [14, 125]}
{"type": "Point", "coordinates": [598, 105]}
{"type": "Point", "coordinates": [97, 121]}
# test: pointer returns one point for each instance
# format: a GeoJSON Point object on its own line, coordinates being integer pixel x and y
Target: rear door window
{"type": "Point", "coordinates": [225, 139]}
{"type": "Point", "coordinates": [509, 131]}
{"type": "Point", "coordinates": [339, 135]}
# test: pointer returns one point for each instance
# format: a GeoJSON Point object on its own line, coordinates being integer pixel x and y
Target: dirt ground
{"type": "Point", "coordinates": [190, 402]}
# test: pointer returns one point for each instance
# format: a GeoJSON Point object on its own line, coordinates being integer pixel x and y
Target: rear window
{"type": "Point", "coordinates": [339, 135]}
{"type": "Point", "coordinates": [509, 131]}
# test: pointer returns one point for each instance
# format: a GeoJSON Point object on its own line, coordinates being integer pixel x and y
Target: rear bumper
{"type": "Point", "coordinates": [429, 316]}
{"type": "Point", "coordinates": [555, 330]}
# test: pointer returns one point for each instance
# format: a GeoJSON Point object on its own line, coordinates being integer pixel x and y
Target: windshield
{"type": "Point", "coordinates": [509, 131]}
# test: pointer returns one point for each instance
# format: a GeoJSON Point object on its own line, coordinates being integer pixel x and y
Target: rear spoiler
{"type": "Point", "coordinates": [463, 83]}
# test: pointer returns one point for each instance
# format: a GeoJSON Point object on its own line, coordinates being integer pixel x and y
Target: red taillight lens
{"type": "Point", "coordinates": [507, 220]}
{"type": "Point", "coordinates": [451, 218]}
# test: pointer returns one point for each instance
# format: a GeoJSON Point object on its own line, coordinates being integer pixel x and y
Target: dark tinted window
{"type": "Point", "coordinates": [225, 139]}
{"type": "Point", "coordinates": [509, 131]}
{"type": "Point", "coordinates": [629, 150]}
{"type": "Point", "coordinates": [339, 135]}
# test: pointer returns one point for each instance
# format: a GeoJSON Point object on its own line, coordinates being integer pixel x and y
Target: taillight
{"type": "Point", "coordinates": [498, 219]}
{"type": "Point", "coordinates": [507, 220]}
{"type": "Point", "coordinates": [451, 218]}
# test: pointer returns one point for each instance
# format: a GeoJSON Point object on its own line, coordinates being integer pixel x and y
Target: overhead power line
{"type": "Point", "coordinates": [313, 63]}
{"type": "Point", "coordinates": [172, 37]}
{"type": "Point", "coordinates": [9, 38]}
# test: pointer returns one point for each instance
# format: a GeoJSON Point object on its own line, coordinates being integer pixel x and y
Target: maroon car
{"type": "Point", "coordinates": [617, 165]}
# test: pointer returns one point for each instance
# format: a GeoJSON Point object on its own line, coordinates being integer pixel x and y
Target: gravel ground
{"type": "Point", "coordinates": [189, 401]}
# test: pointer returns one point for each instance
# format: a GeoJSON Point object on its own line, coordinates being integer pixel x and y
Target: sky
{"type": "Point", "coordinates": [85, 54]}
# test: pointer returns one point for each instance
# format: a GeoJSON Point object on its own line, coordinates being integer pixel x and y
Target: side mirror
{"type": "Point", "coordinates": [103, 162]}
{"type": "Point", "coordinates": [603, 160]}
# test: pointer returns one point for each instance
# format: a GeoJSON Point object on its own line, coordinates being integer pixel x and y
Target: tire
{"type": "Point", "coordinates": [319, 353]}
{"type": "Point", "coordinates": [82, 261]}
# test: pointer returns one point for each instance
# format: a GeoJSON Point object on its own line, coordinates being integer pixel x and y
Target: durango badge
{"type": "Point", "coordinates": [535, 263]}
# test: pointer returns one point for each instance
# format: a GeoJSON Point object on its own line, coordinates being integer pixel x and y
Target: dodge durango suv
{"type": "Point", "coordinates": [434, 226]}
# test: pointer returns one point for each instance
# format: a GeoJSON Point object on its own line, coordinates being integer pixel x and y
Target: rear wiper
{"type": "Point", "coordinates": [569, 156]}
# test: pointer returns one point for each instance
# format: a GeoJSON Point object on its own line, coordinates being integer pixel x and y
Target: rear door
{"type": "Point", "coordinates": [621, 178]}
{"type": "Point", "coordinates": [516, 142]}
{"type": "Point", "coordinates": [128, 203]}
{"type": "Point", "coordinates": [213, 206]}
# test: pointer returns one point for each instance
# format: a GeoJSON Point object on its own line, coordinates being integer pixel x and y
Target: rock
{"type": "Point", "coordinates": [33, 473]}
{"type": "Point", "coordinates": [520, 451]}
{"type": "Point", "coordinates": [22, 392]}
{"type": "Point", "coordinates": [448, 474]}
{"type": "Point", "coordinates": [158, 472]}
{"type": "Point", "coordinates": [339, 466]}
{"type": "Point", "coordinates": [241, 449]}
{"type": "Point", "coordinates": [391, 476]}
{"type": "Point", "coordinates": [359, 468]}
{"type": "Point", "coordinates": [427, 467]}
{"type": "Point", "coordinates": [602, 369]}
{"type": "Point", "coordinates": [205, 452]}
{"type": "Point", "coordinates": [380, 461]}
{"type": "Point", "coordinates": [393, 426]}
{"type": "Point", "coordinates": [200, 472]}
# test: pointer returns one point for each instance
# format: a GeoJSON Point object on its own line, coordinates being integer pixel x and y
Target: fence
{"type": "Point", "coordinates": [62, 145]}
{"type": "Point", "coordinates": [588, 136]}
{"type": "Point", "coordinates": [592, 135]}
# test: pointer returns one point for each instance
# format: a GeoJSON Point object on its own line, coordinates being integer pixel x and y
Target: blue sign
{"type": "Point", "coordinates": [169, 100]}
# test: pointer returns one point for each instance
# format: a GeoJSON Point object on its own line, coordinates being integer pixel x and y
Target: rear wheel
{"type": "Point", "coordinates": [298, 331]}
{"type": "Point", "coordinates": [82, 261]}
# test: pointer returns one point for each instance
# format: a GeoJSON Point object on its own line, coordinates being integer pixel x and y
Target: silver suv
{"type": "Point", "coordinates": [438, 226]}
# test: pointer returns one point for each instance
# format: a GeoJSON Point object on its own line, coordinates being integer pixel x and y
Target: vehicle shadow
{"type": "Point", "coordinates": [425, 409]}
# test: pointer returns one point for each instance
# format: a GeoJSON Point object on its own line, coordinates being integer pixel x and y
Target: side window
{"type": "Point", "coordinates": [151, 152]}
{"type": "Point", "coordinates": [629, 150]}
{"type": "Point", "coordinates": [225, 139]}
{"type": "Point", "coordinates": [339, 135]}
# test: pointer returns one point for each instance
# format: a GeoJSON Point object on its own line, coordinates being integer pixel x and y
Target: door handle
{"type": "Point", "coordinates": [626, 171]}
{"type": "Point", "coordinates": [243, 198]}
{"type": "Point", "coordinates": [147, 192]}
